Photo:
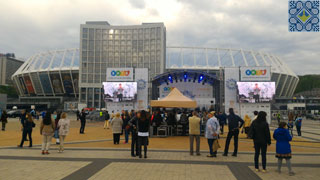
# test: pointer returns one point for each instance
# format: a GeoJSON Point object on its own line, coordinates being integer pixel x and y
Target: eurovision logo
{"type": "Point", "coordinates": [256, 72]}
{"type": "Point", "coordinates": [120, 73]}
{"type": "Point", "coordinates": [304, 15]}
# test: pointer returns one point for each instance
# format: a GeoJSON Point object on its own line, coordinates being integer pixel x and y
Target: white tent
{"type": "Point", "coordinates": [175, 99]}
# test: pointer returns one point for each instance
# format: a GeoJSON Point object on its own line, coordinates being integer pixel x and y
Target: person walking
{"type": "Point", "coordinates": [27, 126]}
{"type": "Point", "coordinates": [298, 123]}
{"type": "Point", "coordinates": [212, 132]}
{"type": "Point", "coordinates": [23, 117]}
{"type": "Point", "coordinates": [134, 134]}
{"type": "Point", "coordinates": [283, 148]}
{"type": "Point", "coordinates": [4, 119]}
{"type": "Point", "coordinates": [83, 115]}
{"type": "Point", "coordinates": [116, 124]}
{"type": "Point", "coordinates": [260, 133]}
{"type": "Point", "coordinates": [106, 118]}
{"type": "Point", "coordinates": [64, 126]}
{"type": "Point", "coordinates": [126, 119]}
{"type": "Point", "coordinates": [233, 126]}
{"type": "Point", "coordinates": [247, 123]}
{"type": "Point", "coordinates": [194, 132]}
{"type": "Point", "coordinates": [143, 133]}
{"type": "Point", "coordinates": [57, 117]}
{"type": "Point", "coordinates": [47, 129]}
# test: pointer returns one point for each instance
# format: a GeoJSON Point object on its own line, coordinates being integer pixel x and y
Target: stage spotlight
{"type": "Point", "coordinates": [185, 77]}
{"type": "Point", "coordinates": [170, 78]}
{"type": "Point", "coordinates": [201, 77]}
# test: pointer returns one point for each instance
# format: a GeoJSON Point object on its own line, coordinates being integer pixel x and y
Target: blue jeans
{"type": "Point", "coordinates": [210, 143]}
{"type": "Point", "coordinates": [126, 135]}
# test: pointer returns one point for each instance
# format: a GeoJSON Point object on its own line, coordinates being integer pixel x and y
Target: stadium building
{"type": "Point", "coordinates": [75, 76]}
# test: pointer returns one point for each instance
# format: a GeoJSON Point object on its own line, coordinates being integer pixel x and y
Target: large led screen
{"type": "Point", "coordinates": [120, 91]}
{"type": "Point", "coordinates": [256, 92]}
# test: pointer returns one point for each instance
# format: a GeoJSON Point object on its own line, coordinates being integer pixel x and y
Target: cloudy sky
{"type": "Point", "coordinates": [31, 26]}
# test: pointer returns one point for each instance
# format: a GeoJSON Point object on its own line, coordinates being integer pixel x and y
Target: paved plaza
{"type": "Point", "coordinates": [93, 156]}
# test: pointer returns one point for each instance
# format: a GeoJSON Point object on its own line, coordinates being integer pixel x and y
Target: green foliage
{"type": "Point", "coordinates": [307, 83]}
{"type": "Point", "coordinates": [9, 90]}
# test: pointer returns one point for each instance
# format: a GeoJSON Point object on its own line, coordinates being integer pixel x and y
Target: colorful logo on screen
{"type": "Point", "coordinates": [166, 89]}
{"type": "Point", "coordinates": [120, 73]}
{"type": "Point", "coordinates": [256, 72]}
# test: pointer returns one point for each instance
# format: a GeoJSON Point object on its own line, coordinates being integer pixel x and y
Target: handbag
{"type": "Point", "coordinates": [33, 124]}
{"type": "Point", "coordinates": [216, 145]}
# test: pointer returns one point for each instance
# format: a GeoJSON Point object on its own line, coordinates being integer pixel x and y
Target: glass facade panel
{"type": "Point", "coordinates": [36, 83]}
{"type": "Point", "coordinates": [46, 61]}
{"type": "Point", "coordinates": [45, 81]}
{"type": "Point", "coordinates": [68, 58]}
{"type": "Point", "coordinates": [225, 58]}
{"type": "Point", "coordinates": [56, 83]}
{"type": "Point", "coordinates": [238, 58]}
{"type": "Point", "coordinates": [67, 82]}
{"type": "Point", "coordinates": [57, 59]}
{"type": "Point", "coordinates": [250, 59]}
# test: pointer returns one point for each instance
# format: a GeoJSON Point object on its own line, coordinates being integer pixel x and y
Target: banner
{"type": "Point", "coordinates": [23, 86]}
{"type": "Point", "coordinates": [67, 83]}
{"type": "Point", "coordinates": [119, 74]}
{"type": "Point", "coordinates": [255, 73]}
{"type": "Point", "coordinates": [141, 77]}
{"type": "Point", "coordinates": [56, 83]}
{"type": "Point", "coordinates": [75, 77]}
{"type": "Point", "coordinates": [45, 81]}
{"type": "Point", "coordinates": [29, 86]}
{"type": "Point", "coordinates": [231, 77]}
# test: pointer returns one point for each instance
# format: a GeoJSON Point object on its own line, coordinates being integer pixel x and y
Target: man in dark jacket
{"type": "Point", "coordinates": [222, 117]}
{"type": "Point", "coordinates": [157, 120]}
{"type": "Point", "coordinates": [184, 121]}
{"type": "Point", "coordinates": [233, 125]}
{"type": "Point", "coordinates": [133, 123]}
{"type": "Point", "coordinates": [83, 115]}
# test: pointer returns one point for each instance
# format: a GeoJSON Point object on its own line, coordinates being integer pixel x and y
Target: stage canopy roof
{"type": "Point", "coordinates": [175, 99]}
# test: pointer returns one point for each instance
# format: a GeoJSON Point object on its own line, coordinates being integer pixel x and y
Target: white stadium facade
{"type": "Point", "coordinates": [75, 76]}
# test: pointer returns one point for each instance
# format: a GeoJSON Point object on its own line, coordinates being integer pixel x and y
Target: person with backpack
{"type": "Point", "coordinates": [234, 124]}
{"type": "Point", "coordinates": [283, 148]}
{"type": "Point", "coordinates": [106, 122]}
{"type": "Point", "coordinates": [260, 133]}
{"type": "Point", "coordinates": [298, 123]}
{"type": "Point", "coordinates": [184, 122]}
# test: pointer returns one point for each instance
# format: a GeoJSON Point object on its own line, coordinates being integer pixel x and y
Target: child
{"type": "Point", "coordinates": [283, 148]}
{"type": "Point", "coordinates": [63, 126]}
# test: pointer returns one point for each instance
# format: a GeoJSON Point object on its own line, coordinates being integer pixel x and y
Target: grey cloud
{"type": "Point", "coordinates": [140, 4]}
{"type": "Point", "coordinates": [253, 25]}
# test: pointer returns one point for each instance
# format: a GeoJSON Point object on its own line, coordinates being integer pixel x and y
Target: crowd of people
{"type": "Point", "coordinates": [194, 123]}
{"type": "Point", "coordinates": [53, 125]}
